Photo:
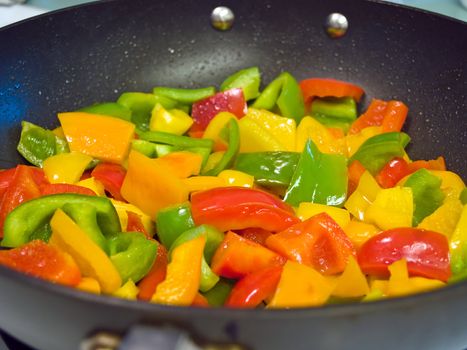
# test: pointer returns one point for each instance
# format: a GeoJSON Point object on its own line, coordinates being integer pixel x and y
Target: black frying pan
{"type": "Point", "coordinates": [92, 53]}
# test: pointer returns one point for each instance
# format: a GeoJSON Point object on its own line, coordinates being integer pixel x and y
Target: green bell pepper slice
{"type": "Point", "coordinates": [147, 148]}
{"type": "Point", "coordinates": [175, 140]}
{"type": "Point", "coordinates": [36, 144]}
{"type": "Point", "coordinates": [133, 254]}
{"type": "Point", "coordinates": [463, 196]}
{"type": "Point", "coordinates": [172, 221]}
{"type": "Point", "coordinates": [427, 194]}
{"type": "Point", "coordinates": [318, 178]}
{"type": "Point", "coordinates": [228, 159]}
{"type": "Point", "coordinates": [184, 96]}
{"type": "Point", "coordinates": [334, 112]}
{"type": "Point", "coordinates": [375, 152]}
{"type": "Point", "coordinates": [285, 94]}
{"type": "Point", "coordinates": [30, 216]}
{"type": "Point", "coordinates": [247, 79]}
{"type": "Point", "coordinates": [218, 294]}
{"type": "Point", "coordinates": [270, 169]}
{"type": "Point", "coordinates": [213, 238]}
{"type": "Point", "coordinates": [112, 109]}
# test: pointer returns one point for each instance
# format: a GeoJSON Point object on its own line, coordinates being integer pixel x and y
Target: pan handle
{"type": "Point", "coordinates": [147, 337]}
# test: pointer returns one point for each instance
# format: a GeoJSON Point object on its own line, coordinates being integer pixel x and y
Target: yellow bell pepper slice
{"type": "Point", "coordinates": [102, 137]}
{"type": "Point", "coordinates": [213, 159]}
{"type": "Point", "coordinates": [174, 121]}
{"type": "Point", "coordinates": [300, 286]}
{"type": "Point", "coordinates": [392, 207]}
{"type": "Point", "coordinates": [353, 142]}
{"type": "Point", "coordinates": [59, 132]}
{"type": "Point", "coordinates": [310, 128]}
{"type": "Point", "coordinates": [151, 185]}
{"type": "Point", "coordinates": [255, 138]}
{"type": "Point", "coordinates": [183, 274]}
{"type": "Point", "coordinates": [237, 178]}
{"type": "Point", "coordinates": [128, 291]}
{"type": "Point", "coordinates": [92, 260]}
{"type": "Point", "coordinates": [400, 284]}
{"type": "Point", "coordinates": [66, 167]}
{"type": "Point", "coordinates": [202, 183]}
{"type": "Point", "coordinates": [451, 183]}
{"type": "Point", "coordinates": [306, 210]}
{"type": "Point", "coordinates": [444, 219]}
{"type": "Point", "coordinates": [352, 283]}
{"type": "Point", "coordinates": [90, 285]}
{"type": "Point", "coordinates": [122, 208]}
{"type": "Point", "coordinates": [96, 186]}
{"type": "Point", "coordinates": [281, 128]}
{"type": "Point", "coordinates": [216, 124]}
{"type": "Point", "coordinates": [359, 232]}
{"type": "Point", "coordinates": [366, 192]}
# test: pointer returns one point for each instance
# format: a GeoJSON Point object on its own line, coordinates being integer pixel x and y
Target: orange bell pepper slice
{"type": "Point", "coordinates": [321, 87]}
{"type": "Point", "coordinates": [147, 286]}
{"type": "Point", "coordinates": [39, 259]}
{"type": "Point", "coordinates": [183, 164]}
{"type": "Point", "coordinates": [318, 242]}
{"type": "Point", "coordinates": [237, 257]}
{"type": "Point", "coordinates": [355, 172]}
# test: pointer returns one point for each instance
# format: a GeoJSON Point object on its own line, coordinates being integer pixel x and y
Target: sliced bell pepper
{"type": "Point", "coordinates": [237, 257]}
{"type": "Point", "coordinates": [373, 116]}
{"type": "Point", "coordinates": [318, 242]}
{"type": "Point", "coordinates": [66, 167]}
{"type": "Point", "coordinates": [101, 137]}
{"type": "Point", "coordinates": [228, 158]}
{"type": "Point", "coordinates": [149, 149]}
{"type": "Point", "coordinates": [255, 287]}
{"type": "Point", "coordinates": [322, 87]}
{"type": "Point", "coordinates": [111, 176]}
{"type": "Point", "coordinates": [132, 253]}
{"type": "Point", "coordinates": [237, 178]}
{"type": "Point", "coordinates": [39, 259]}
{"type": "Point", "coordinates": [375, 152]}
{"type": "Point", "coordinates": [183, 274]}
{"type": "Point", "coordinates": [359, 232]}
{"type": "Point", "coordinates": [458, 245]}
{"type": "Point", "coordinates": [427, 194]}
{"type": "Point", "coordinates": [214, 130]}
{"type": "Point", "coordinates": [175, 140]}
{"type": "Point", "coordinates": [135, 224]}
{"type": "Point", "coordinates": [246, 79]}
{"type": "Point", "coordinates": [363, 196]}
{"type": "Point", "coordinates": [354, 141]}
{"type": "Point", "coordinates": [182, 164]}
{"type": "Point", "coordinates": [300, 286]}
{"type": "Point", "coordinates": [310, 128]}
{"type": "Point", "coordinates": [283, 92]}
{"type": "Point", "coordinates": [451, 184]}
{"type": "Point", "coordinates": [172, 221]}
{"type": "Point", "coordinates": [112, 109]}
{"type": "Point", "coordinates": [147, 286]}
{"type": "Point", "coordinates": [91, 259]}
{"type": "Point", "coordinates": [426, 252]}
{"type": "Point", "coordinates": [173, 121]}
{"type": "Point", "coordinates": [141, 104]}
{"type": "Point", "coordinates": [352, 283]}
{"type": "Point", "coordinates": [22, 188]}
{"type": "Point", "coordinates": [231, 208]}
{"type": "Point", "coordinates": [318, 178]}
{"type": "Point", "coordinates": [444, 219]}
{"type": "Point", "coordinates": [218, 294]}
{"type": "Point", "coordinates": [128, 291]}
{"type": "Point", "coordinates": [23, 221]}
{"type": "Point", "coordinates": [392, 172]}
{"type": "Point", "coordinates": [185, 96]}
{"type": "Point", "coordinates": [355, 172]}
{"type": "Point", "coordinates": [338, 112]}
{"type": "Point", "coordinates": [92, 184]}
{"type": "Point", "coordinates": [124, 208]}
{"type": "Point", "coordinates": [203, 183]}
{"type": "Point", "coordinates": [306, 210]}
{"type": "Point", "coordinates": [89, 285]}
{"type": "Point", "coordinates": [256, 138]}
{"type": "Point", "coordinates": [36, 144]}
{"type": "Point", "coordinates": [6, 178]}
{"type": "Point", "coordinates": [151, 185]}
{"type": "Point", "coordinates": [255, 234]}
{"type": "Point", "coordinates": [269, 169]}
{"type": "Point", "coordinates": [48, 189]}
{"type": "Point", "coordinates": [392, 208]}
{"type": "Point", "coordinates": [205, 110]}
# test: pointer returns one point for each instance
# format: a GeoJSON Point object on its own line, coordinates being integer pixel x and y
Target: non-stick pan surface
{"type": "Point", "coordinates": [72, 58]}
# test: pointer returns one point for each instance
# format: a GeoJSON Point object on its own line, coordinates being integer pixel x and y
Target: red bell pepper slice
{"type": "Point", "coordinates": [394, 116]}
{"type": "Point", "coordinates": [39, 259]}
{"type": "Point", "coordinates": [355, 172]}
{"type": "Point", "coordinates": [203, 111]}
{"type": "Point", "coordinates": [200, 301]}
{"type": "Point", "coordinates": [255, 287]}
{"type": "Point", "coordinates": [434, 164]}
{"type": "Point", "coordinates": [6, 177]}
{"type": "Point", "coordinates": [147, 286]}
{"type": "Point", "coordinates": [65, 188]}
{"type": "Point", "coordinates": [426, 253]}
{"type": "Point", "coordinates": [392, 172]}
{"type": "Point", "coordinates": [235, 208]}
{"type": "Point", "coordinates": [236, 257]}
{"type": "Point", "coordinates": [318, 242]}
{"type": "Point", "coordinates": [255, 234]}
{"type": "Point", "coordinates": [111, 176]}
{"type": "Point", "coordinates": [135, 224]}
{"type": "Point", "coordinates": [322, 87]}
{"type": "Point", "coordinates": [22, 188]}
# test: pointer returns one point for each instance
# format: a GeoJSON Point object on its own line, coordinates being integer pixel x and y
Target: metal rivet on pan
{"type": "Point", "coordinates": [336, 25]}
{"type": "Point", "coordinates": [222, 18]}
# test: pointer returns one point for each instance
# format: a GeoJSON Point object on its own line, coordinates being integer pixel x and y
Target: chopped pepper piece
{"type": "Point", "coordinates": [112, 109]}
{"type": "Point", "coordinates": [147, 286]}
{"type": "Point", "coordinates": [352, 283]}
{"type": "Point", "coordinates": [458, 245]}
{"type": "Point", "coordinates": [184, 96]}
{"type": "Point", "coordinates": [338, 112]}
{"type": "Point", "coordinates": [66, 167]}
{"type": "Point", "coordinates": [246, 79]}
{"type": "Point", "coordinates": [322, 87]}
{"type": "Point", "coordinates": [172, 221]}
{"type": "Point", "coordinates": [174, 121]}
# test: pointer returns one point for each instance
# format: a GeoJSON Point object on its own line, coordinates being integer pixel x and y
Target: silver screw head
{"type": "Point", "coordinates": [222, 18]}
{"type": "Point", "coordinates": [336, 25]}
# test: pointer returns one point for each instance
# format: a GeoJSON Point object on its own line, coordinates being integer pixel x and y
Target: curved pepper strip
{"type": "Point", "coordinates": [24, 220]}
{"type": "Point", "coordinates": [184, 96]}
{"type": "Point", "coordinates": [112, 109]}
{"type": "Point", "coordinates": [132, 254]}
{"type": "Point", "coordinates": [233, 139]}
{"type": "Point", "coordinates": [172, 221]}
{"type": "Point", "coordinates": [246, 79]}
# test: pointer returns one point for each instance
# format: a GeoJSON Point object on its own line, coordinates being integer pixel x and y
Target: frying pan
{"type": "Point", "coordinates": [75, 57]}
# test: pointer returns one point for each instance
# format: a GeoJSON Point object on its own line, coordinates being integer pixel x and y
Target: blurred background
{"type": "Point", "coordinates": [15, 10]}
